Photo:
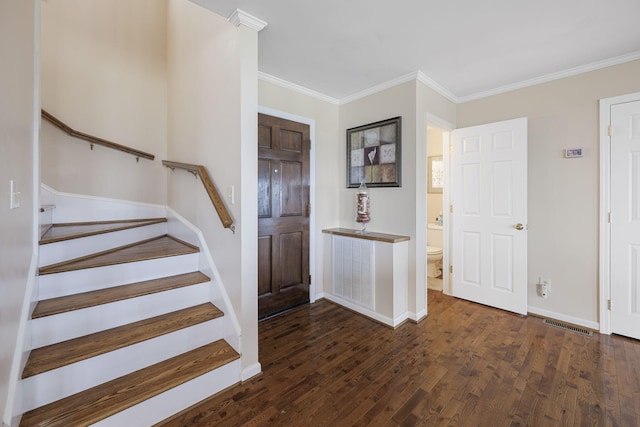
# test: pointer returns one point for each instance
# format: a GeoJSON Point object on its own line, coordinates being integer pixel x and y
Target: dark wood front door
{"type": "Point", "coordinates": [283, 214]}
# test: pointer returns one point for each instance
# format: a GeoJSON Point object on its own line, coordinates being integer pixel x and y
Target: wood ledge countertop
{"type": "Point", "coordinates": [369, 235]}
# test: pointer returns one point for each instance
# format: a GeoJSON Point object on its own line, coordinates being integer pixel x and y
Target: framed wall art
{"type": "Point", "coordinates": [373, 154]}
{"type": "Point", "coordinates": [435, 168]}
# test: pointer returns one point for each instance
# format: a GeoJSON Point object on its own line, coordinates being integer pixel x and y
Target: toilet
{"type": "Point", "coordinates": [434, 250]}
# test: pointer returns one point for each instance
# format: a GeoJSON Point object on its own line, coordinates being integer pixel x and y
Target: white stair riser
{"type": "Point", "coordinates": [65, 326]}
{"type": "Point", "coordinates": [91, 279]}
{"type": "Point", "coordinates": [78, 208]}
{"type": "Point", "coordinates": [53, 253]}
{"type": "Point", "coordinates": [53, 385]}
{"type": "Point", "coordinates": [164, 405]}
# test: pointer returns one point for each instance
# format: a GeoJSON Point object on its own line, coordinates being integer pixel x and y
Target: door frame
{"type": "Point", "coordinates": [604, 263]}
{"type": "Point", "coordinates": [312, 188]}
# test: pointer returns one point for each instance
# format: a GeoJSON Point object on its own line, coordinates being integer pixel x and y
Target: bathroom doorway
{"type": "Point", "coordinates": [438, 193]}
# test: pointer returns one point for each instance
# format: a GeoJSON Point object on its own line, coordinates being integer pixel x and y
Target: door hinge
{"type": "Point", "coordinates": [451, 269]}
{"type": "Point", "coordinates": [610, 217]}
{"type": "Point", "coordinates": [309, 279]}
{"type": "Point", "coordinates": [609, 130]}
{"type": "Point", "coordinates": [450, 208]}
{"type": "Point", "coordinates": [451, 147]}
{"type": "Point", "coordinates": [609, 304]}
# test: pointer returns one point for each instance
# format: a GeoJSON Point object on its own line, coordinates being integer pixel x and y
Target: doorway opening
{"type": "Point", "coordinates": [437, 195]}
{"type": "Point", "coordinates": [435, 209]}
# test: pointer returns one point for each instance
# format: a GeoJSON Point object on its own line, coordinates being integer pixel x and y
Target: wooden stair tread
{"type": "Point", "coordinates": [118, 293]}
{"type": "Point", "coordinates": [100, 402]}
{"type": "Point", "coordinates": [158, 247]}
{"type": "Point", "coordinates": [54, 356]}
{"type": "Point", "coordinates": [68, 231]}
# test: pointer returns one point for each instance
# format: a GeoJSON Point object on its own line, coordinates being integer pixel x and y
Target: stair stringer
{"type": "Point", "coordinates": [12, 411]}
{"type": "Point", "coordinates": [182, 229]}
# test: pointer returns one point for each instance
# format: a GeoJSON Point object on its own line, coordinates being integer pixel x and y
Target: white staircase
{"type": "Point", "coordinates": [125, 330]}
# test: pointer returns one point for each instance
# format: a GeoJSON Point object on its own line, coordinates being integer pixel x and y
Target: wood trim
{"type": "Point", "coordinates": [94, 139]}
{"type": "Point", "coordinates": [369, 235]}
{"type": "Point", "coordinates": [212, 191]}
{"type": "Point", "coordinates": [47, 358]}
{"type": "Point", "coordinates": [90, 406]}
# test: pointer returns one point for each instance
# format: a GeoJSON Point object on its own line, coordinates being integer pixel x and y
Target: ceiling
{"type": "Point", "coordinates": [466, 49]}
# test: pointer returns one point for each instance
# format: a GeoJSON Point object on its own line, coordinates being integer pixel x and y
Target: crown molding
{"type": "Point", "coordinates": [429, 82]}
{"type": "Point", "coordinates": [240, 17]}
{"type": "Point", "coordinates": [379, 88]}
{"type": "Point", "coordinates": [553, 76]}
{"type": "Point", "coordinates": [297, 88]}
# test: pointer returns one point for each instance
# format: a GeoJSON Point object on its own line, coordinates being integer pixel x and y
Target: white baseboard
{"type": "Point", "coordinates": [418, 317]}
{"type": "Point", "coordinates": [564, 318]}
{"type": "Point", "coordinates": [251, 371]}
{"type": "Point", "coordinates": [367, 312]}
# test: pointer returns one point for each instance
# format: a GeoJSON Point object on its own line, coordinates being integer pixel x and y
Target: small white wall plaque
{"type": "Point", "coordinates": [572, 152]}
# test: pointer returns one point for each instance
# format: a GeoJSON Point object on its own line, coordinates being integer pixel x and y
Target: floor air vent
{"type": "Point", "coordinates": [572, 328]}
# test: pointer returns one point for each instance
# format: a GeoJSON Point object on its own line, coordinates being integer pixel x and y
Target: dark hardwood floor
{"type": "Point", "coordinates": [465, 365]}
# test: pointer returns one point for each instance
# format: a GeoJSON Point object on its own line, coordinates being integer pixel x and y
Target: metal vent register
{"type": "Point", "coordinates": [555, 324]}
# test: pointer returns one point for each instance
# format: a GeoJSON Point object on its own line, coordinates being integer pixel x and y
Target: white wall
{"type": "Point", "coordinates": [213, 96]}
{"type": "Point", "coordinates": [327, 147]}
{"type": "Point", "coordinates": [104, 73]}
{"type": "Point", "coordinates": [17, 157]}
{"type": "Point", "coordinates": [563, 193]}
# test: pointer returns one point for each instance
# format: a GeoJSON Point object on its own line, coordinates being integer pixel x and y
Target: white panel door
{"type": "Point", "coordinates": [625, 222]}
{"type": "Point", "coordinates": [489, 179]}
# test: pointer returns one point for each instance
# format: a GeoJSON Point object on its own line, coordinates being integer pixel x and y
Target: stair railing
{"type": "Point", "coordinates": [94, 139]}
{"type": "Point", "coordinates": [212, 191]}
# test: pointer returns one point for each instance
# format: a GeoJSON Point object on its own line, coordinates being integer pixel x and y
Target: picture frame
{"type": "Point", "coordinates": [374, 154]}
{"type": "Point", "coordinates": [435, 173]}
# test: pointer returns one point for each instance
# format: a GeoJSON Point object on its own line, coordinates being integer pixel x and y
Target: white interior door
{"type": "Point", "coordinates": [625, 219]}
{"type": "Point", "coordinates": [489, 174]}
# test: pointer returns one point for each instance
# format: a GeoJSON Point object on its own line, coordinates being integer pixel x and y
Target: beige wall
{"type": "Point", "coordinates": [327, 148]}
{"type": "Point", "coordinates": [394, 210]}
{"type": "Point", "coordinates": [212, 75]}
{"type": "Point", "coordinates": [103, 72]}
{"type": "Point", "coordinates": [399, 210]}
{"type": "Point", "coordinates": [562, 193]}
{"type": "Point", "coordinates": [17, 149]}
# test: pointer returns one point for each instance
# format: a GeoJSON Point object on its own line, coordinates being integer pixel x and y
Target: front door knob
{"type": "Point", "coordinates": [519, 226]}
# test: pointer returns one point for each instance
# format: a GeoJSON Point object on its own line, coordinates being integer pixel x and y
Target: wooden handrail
{"type": "Point", "coordinates": [94, 139]}
{"type": "Point", "coordinates": [212, 191]}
